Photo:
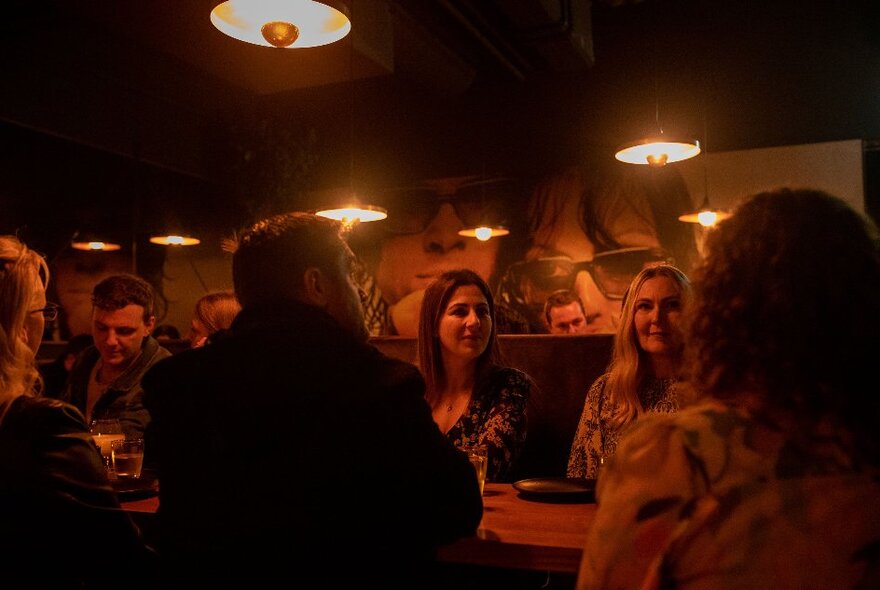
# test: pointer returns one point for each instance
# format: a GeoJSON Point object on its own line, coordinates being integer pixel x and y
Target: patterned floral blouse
{"type": "Point", "coordinates": [596, 437]}
{"type": "Point", "coordinates": [710, 498]}
{"type": "Point", "coordinates": [496, 417]}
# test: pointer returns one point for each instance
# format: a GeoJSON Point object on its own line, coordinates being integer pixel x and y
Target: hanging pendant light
{"type": "Point", "coordinates": [706, 215]}
{"type": "Point", "coordinates": [353, 210]}
{"type": "Point", "coordinates": [281, 23]}
{"type": "Point", "coordinates": [657, 149]}
{"type": "Point", "coordinates": [174, 240]}
{"type": "Point", "coordinates": [484, 233]}
{"type": "Point", "coordinates": [354, 213]}
{"type": "Point", "coordinates": [93, 242]}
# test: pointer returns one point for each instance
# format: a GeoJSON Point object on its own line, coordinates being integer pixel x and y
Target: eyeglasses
{"type": "Point", "coordinates": [50, 312]}
{"type": "Point", "coordinates": [480, 203]}
{"type": "Point", "coordinates": [612, 271]}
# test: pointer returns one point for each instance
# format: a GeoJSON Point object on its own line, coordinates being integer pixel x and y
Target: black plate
{"type": "Point", "coordinates": [557, 489]}
{"type": "Point", "coordinates": [146, 486]}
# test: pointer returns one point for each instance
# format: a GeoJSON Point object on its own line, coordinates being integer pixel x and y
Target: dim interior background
{"type": "Point", "coordinates": [132, 117]}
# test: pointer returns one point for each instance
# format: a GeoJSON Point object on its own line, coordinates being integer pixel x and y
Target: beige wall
{"type": "Point", "coordinates": [190, 273]}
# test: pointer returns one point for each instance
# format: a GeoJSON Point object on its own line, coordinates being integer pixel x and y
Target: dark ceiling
{"type": "Point", "coordinates": [102, 101]}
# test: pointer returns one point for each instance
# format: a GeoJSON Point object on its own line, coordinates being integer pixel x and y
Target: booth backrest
{"type": "Point", "coordinates": [563, 368]}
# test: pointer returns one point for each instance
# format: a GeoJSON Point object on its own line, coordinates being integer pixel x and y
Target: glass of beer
{"type": "Point", "coordinates": [479, 457]}
{"type": "Point", "coordinates": [104, 432]}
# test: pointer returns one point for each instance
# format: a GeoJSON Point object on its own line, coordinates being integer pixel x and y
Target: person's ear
{"type": "Point", "coordinates": [315, 287]}
{"type": "Point", "coordinates": [150, 324]}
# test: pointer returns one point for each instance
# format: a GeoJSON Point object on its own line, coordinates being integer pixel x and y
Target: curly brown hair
{"type": "Point", "coordinates": [786, 311]}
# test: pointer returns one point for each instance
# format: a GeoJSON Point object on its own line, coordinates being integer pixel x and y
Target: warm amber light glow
{"type": "Point", "coordinates": [705, 217]}
{"type": "Point", "coordinates": [484, 232]}
{"type": "Point", "coordinates": [657, 152]}
{"type": "Point", "coordinates": [95, 246]}
{"type": "Point", "coordinates": [351, 214]}
{"type": "Point", "coordinates": [281, 23]}
{"type": "Point", "coordinates": [174, 240]}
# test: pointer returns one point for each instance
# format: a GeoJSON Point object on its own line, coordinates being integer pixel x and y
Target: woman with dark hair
{"type": "Point", "coordinates": [645, 369]}
{"type": "Point", "coordinates": [772, 479]}
{"type": "Point", "coordinates": [474, 398]}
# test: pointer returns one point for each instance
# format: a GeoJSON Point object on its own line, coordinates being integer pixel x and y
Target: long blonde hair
{"type": "Point", "coordinates": [629, 369]}
{"type": "Point", "coordinates": [22, 273]}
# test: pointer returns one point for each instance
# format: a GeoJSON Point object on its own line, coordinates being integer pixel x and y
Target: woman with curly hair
{"type": "Point", "coordinates": [645, 369]}
{"type": "Point", "coordinates": [772, 478]}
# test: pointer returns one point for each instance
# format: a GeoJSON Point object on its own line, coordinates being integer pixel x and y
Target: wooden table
{"type": "Point", "coordinates": [514, 533]}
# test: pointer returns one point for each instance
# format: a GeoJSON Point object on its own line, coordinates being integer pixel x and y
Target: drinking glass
{"type": "Point", "coordinates": [104, 432]}
{"type": "Point", "coordinates": [128, 457]}
{"type": "Point", "coordinates": [479, 457]}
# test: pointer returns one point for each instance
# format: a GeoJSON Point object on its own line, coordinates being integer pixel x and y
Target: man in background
{"type": "Point", "coordinates": [105, 382]}
{"type": "Point", "coordinates": [292, 443]}
{"type": "Point", "coordinates": [564, 313]}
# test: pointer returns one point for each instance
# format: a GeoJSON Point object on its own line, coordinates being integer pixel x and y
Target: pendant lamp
{"type": "Point", "coordinates": [281, 23]}
{"type": "Point", "coordinates": [484, 233]}
{"type": "Point", "coordinates": [352, 210]}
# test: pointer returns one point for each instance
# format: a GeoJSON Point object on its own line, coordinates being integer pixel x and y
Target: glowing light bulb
{"type": "Point", "coordinates": [483, 233]}
{"type": "Point", "coordinates": [707, 218]}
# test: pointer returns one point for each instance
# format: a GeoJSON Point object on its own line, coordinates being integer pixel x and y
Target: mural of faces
{"type": "Point", "coordinates": [591, 230]}
{"type": "Point", "coordinates": [420, 240]}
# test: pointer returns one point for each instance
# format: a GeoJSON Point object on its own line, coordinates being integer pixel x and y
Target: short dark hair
{"type": "Point", "coordinates": [561, 298]}
{"type": "Point", "coordinates": [273, 254]}
{"type": "Point", "coordinates": [117, 291]}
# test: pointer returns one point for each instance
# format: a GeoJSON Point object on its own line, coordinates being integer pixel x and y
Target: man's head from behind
{"type": "Point", "coordinates": [122, 316]}
{"type": "Point", "coordinates": [564, 313]}
{"type": "Point", "coordinates": [298, 257]}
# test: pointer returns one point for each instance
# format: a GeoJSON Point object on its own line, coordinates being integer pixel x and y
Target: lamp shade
{"type": "Point", "coordinates": [354, 213]}
{"type": "Point", "coordinates": [174, 240]}
{"type": "Point", "coordinates": [281, 23]}
{"type": "Point", "coordinates": [658, 151]}
{"type": "Point", "coordinates": [89, 241]}
{"type": "Point", "coordinates": [484, 233]}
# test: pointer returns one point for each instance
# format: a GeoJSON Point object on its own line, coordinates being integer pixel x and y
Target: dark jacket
{"type": "Point", "coordinates": [60, 522]}
{"type": "Point", "coordinates": [289, 446]}
{"type": "Point", "coordinates": [123, 399]}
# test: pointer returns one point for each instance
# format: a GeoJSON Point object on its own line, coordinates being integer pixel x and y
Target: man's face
{"type": "Point", "coordinates": [345, 300]}
{"type": "Point", "coordinates": [119, 333]}
{"type": "Point", "coordinates": [568, 319]}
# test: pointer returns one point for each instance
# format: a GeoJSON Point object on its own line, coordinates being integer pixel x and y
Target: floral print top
{"type": "Point", "coordinates": [496, 417]}
{"type": "Point", "coordinates": [596, 438]}
{"type": "Point", "coordinates": [712, 498]}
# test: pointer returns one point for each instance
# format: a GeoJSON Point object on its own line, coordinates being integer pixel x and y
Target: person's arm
{"type": "Point", "coordinates": [583, 460]}
{"type": "Point", "coordinates": [504, 431]}
{"type": "Point", "coordinates": [432, 487]}
{"type": "Point", "coordinates": [79, 497]}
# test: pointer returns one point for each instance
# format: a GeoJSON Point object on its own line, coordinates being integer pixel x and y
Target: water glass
{"type": "Point", "coordinates": [128, 457]}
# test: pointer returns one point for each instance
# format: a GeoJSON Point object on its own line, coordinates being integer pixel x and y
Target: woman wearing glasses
{"type": "Point", "coordinates": [591, 229]}
{"type": "Point", "coordinates": [474, 400]}
{"type": "Point", "coordinates": [644, 371]}
{"type": "Point", "coordinates": [60, 522]}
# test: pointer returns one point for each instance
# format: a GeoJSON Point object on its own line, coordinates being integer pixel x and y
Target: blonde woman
{"type": "Point", "coordinates": [644, 371]}
{"type": "Point", "coordinates": [213, 314]}
{"type": "Point", "coordinates": [56, 505]}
